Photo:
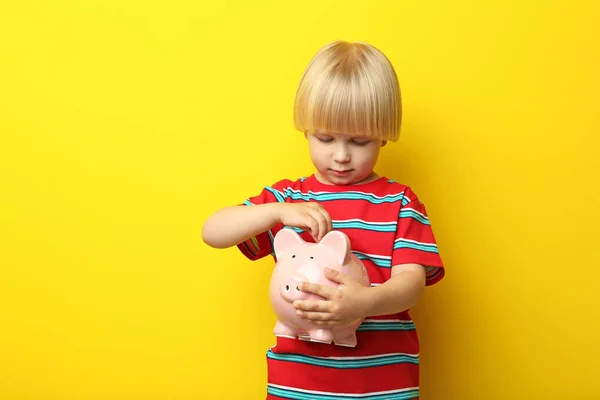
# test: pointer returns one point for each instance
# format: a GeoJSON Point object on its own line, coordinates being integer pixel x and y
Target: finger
{"type": "Point", "coordinates": [325, 323]}
{"type": "Point", "coordinates": [321, 221]}
{"type": "Point", "coordinates": [318, 207]}
{"type": "Point", "coordinates": [323, 211]}
{"type": "Point", "coordinates": [312, 305]}
{"type": "Point", "coordinates": [313, 226]}
{"type": "Point", "coordinates": [316, 316]}
{"type": "Point", "coordinates": [328, 223]}
{"type": "Point", "coordinates": [325, 224]}
{"type": "Point", "coordinates": [323, 291]}
{"type": "Point", "coordinates": [337, 276]}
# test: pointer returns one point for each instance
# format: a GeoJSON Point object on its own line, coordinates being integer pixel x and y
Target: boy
{"type": "Point", "coordinates": [348, 106]}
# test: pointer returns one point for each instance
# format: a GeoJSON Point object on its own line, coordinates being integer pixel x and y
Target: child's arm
{"type": "Point", "coordinates": [353, 300]}
{"type": "Point", "coordinates": [401, 292]}
{"type": "Point", "coordinates": [232, 225]}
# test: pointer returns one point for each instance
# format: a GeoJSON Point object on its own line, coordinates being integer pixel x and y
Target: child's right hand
{"type": "Point", "coordinates": [310, 216]}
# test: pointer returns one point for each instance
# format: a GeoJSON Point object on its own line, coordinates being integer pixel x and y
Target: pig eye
{"type": "Point", "coordinates": [287, 287]}
{"type": "Point", "coordinates": [293, 256]}
{"type": "Point", "coordinates": [312, 258]}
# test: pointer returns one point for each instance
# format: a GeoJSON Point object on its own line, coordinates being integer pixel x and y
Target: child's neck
{"type": "Point", "coordinates": [372, 177]}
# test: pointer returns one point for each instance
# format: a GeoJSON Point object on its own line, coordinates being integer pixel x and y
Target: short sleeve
{"type": "Point", "coordinates": [261, 245]}
{"type": "Point", "coordinates": [415, 241]}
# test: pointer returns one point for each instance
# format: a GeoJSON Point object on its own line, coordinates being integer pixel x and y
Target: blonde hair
{"type": "Point", "coordinates": [349, 88]}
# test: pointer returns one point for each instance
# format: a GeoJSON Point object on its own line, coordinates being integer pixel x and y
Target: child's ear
{"type": "Point", "coordinates": [305, 135]}
{"type": "Point", "coordinates": [383, 143]}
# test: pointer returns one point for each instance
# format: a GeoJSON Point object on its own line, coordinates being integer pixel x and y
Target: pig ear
{"type": "Point", "coordinates": [284, 239]}
{"type": "Point", "coordinates": [339, 243]}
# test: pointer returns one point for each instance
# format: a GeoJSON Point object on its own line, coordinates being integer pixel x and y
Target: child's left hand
{"type": "Point", "coordinates": [342, 305]}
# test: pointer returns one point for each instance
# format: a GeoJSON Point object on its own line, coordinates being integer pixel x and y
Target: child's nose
{"type": "Point", "coordinates": [341, 154]}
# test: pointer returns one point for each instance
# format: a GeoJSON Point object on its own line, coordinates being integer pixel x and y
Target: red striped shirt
{"type": "Point", "coordinates": [387, 225]}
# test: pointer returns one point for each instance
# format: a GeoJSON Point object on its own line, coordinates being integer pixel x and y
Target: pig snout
{"type": "Point", "coordinates": [290, 289]}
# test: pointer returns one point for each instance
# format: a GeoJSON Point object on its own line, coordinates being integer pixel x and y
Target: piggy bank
{"type": "Point", "coordinates": [299, 261]}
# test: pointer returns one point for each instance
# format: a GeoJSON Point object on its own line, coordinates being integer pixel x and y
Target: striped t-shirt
{"type": "Point", "coordinates": [387, 225]}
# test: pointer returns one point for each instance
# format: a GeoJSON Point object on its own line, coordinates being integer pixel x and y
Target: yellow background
{"type": "Point", "coordinates": [124, 124]}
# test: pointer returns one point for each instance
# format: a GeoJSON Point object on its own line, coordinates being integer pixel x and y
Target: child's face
{"type": "Point", "coordinates": [343, 159]}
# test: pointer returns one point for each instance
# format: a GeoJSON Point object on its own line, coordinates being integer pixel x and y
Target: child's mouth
{"type": "Point", "coordinates": [340, 173]}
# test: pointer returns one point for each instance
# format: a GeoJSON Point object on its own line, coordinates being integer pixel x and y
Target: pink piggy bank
{"type": "Point", "coordinates": [300, 261]}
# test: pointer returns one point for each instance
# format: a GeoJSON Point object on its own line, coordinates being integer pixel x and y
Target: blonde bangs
{"type": "Point", "coordinates": [349, 88]}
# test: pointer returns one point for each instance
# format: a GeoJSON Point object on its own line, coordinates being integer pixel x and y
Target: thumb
{"type": "Point", "coordinates": [335, 275]}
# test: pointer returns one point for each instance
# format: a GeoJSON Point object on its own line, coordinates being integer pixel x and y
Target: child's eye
{"type": "Point", "coordinates": [357, 143]}
{"type": "Point", "coordinates": [324, 139]}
